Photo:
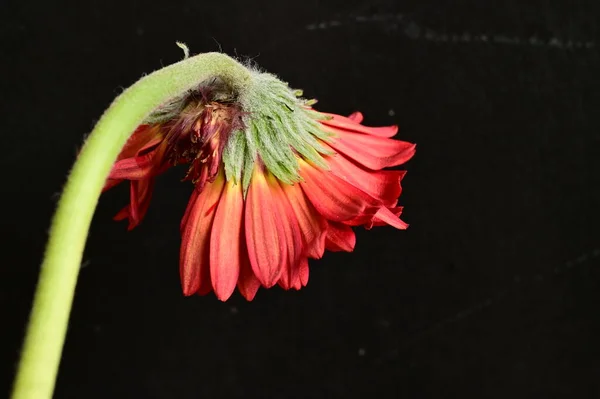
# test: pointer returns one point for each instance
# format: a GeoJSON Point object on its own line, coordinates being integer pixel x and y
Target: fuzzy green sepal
{"type": "Point", "coordinates": [278, 129]}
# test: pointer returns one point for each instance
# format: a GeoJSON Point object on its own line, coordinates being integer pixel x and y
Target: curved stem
{"type": "Point", "coordinates": [45, 337]}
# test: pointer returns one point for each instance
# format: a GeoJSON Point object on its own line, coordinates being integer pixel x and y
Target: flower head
{"type": "Point", "coordinates": [275, 182]}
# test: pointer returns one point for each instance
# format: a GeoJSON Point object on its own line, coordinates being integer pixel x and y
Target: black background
{"type": "Point", "coordinates": [493, 291]}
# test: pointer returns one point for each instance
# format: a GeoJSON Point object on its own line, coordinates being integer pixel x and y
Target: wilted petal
{"type": "Point", "coordinates": [303, 272]}
{"type": "Point", "coordinates": [140, 193]}
{"type": "Point", "coordinates": [142, 138]}
{"type": "Point", "coordinates": [373, 152]}
{"type": "Point", "coordinates": [247, 284]}
{"type": "Point", "coordinates": [340, 238]}
{"type": "Point", "coordinates": [333, 197]}
{"type": "Point", "coordinates": [264, 231]}
{"type": "Point", "coordinates": [195, 243]}
{"type": "Point", "coordinates": [352, 124]}
{"type": "Point", "coordinates": [225, 250]}
{"type": "Point", "coordinates": [383, 185]}
{"type": "Point", "coordinates": [301, 278]}
{"type": "Point", "coordinates": [293, 237]}
{"type": "Point", "coordinates": [313, 226]}
{"type": "Point", "coordinates": [136, 168]}
{"type": "Point", "coordinates": [385, 216]}
{"type": "Point", "coordinates": [356, 117]}
{"type": "Point", "coordinates": [110, 183]}
{"type": "Point", "coordinates": [188, 209]}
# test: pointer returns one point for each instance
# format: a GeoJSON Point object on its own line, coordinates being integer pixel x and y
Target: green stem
{"type": "Point", "coordinates": [49, 317]}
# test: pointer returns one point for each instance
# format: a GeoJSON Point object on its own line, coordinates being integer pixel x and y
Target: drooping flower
{"type": "Point", "coordinates": [275, 182]}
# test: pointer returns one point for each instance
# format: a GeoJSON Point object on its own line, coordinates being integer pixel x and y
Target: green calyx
{"type": "Point", "coordinates": [278, 127]}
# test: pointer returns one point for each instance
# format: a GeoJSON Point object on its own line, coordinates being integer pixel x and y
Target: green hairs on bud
{"type": "Point", "coordinates": [278, 128]}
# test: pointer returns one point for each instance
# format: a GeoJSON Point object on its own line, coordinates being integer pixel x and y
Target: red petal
{"type": "Point", "coordinates": [356, 117]}
{"type": "Point", "coordinates": [302, 278]}
{"type": "Point", "coordinates": [383, 185]}
{"type": "Point", "coordinates": [333, 197]}
{"type": "Point", "coordinates": [340, 238]}
{"type": "Point", "coordinates": [225, 251]}
{"type": "Point", "coordinates": [248, 284]}
{"type": "Point", "coordinates": [304, 272]}
{"type": "Point", "coordinates": [313, 226]}
{"type": "Point", "coordinates": [139, 139]}
{"type": "Point", "coordinates": [134, 168]}
{"type": "Point", "coordinates": [384, 216]}
{"type": "Point", "coordinates": [264, 231]}
{"type": "Point", "coordinates": [352, 123]}
{"type": "Point", "coordinates": [188, 209]}
{"type": "Point", "coordinates": [110, 183]}
{"type": "Point", "coordinates": [293, 237]}
{"type": "Point", "coordinates": [122, 214]}
{"type": "Point", "coordinates": [134, 205]}
{"type": "Point", "coordinates": [389, 216]}
{"type": "Point", "coordinates": [156, 140]}
{"type": "Point", "coordinates": [194, 267]}
{"type": "Point", "coordinates": [140, 192]}
{"type": "Point", "coordinates": [373, 152]}
{"type": "Point", "coordinates": [138, 167]}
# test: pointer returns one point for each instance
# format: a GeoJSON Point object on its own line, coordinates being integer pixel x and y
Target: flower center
{"type": "Point", "coordinates": [198, 136]}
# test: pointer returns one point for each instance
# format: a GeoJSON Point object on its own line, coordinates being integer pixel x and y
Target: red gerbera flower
{"type": "Point", "coordinates": [276, 183]}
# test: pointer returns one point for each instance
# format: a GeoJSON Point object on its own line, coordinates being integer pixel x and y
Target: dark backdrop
{"type": "Point", "coordinates": [492, 292]}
